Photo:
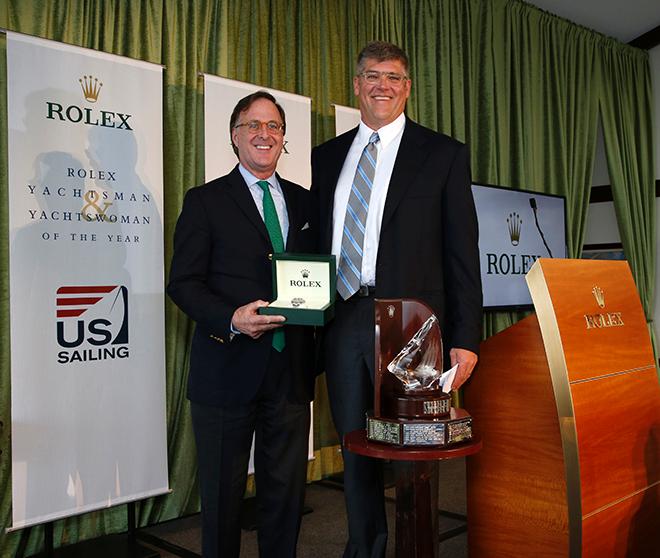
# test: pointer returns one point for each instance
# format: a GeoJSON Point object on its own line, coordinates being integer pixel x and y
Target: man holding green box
{"type": "Point", "coordinates": [248, 373]}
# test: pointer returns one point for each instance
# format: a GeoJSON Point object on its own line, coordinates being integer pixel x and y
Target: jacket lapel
{"type": "Point", "coordinates": [407, 164]}
{"type": "Point", "coordinates": [240, 192]}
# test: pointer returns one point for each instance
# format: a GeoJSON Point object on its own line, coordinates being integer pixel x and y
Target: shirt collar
{"type": "Point", "coordinates": [385, 134]}
{"type": "Point", "coordinates": [251, 179]}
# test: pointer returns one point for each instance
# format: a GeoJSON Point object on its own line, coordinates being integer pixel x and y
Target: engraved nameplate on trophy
{"type": "Point", "coordinates": [410, 406]}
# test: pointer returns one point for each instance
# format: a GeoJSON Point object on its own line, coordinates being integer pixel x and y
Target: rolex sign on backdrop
{"type": "Point", "coordinates": [86, 279]}
{"type": "Point", "coordinates": [516, 227]}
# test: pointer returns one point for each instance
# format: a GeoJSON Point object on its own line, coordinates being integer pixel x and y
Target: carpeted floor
{"type": "Point", "coordinates": [323, 531]}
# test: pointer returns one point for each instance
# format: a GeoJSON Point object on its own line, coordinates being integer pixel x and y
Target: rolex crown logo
{"type": "Point", "coordinates": [91, 88]}
{"type": "Point", "coordinates": [599, 295]}
{"type": "Point", "coordinates": [514, 224]}
{"type": "Point", "coordinates": [305, 273]}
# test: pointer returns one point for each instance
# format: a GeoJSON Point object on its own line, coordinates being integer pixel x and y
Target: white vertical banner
{"type": "Point", "coordinates": [346, 118]}
{"type": "Point", "coordinates": [86, 279]}
{"type": "Point", "coordinates": [220, 98]}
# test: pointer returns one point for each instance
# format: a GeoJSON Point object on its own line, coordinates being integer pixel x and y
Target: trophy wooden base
{"type": "Point", "coordinates": [453, 428]}
{"type": "Point", "coordinates": [425, 405]}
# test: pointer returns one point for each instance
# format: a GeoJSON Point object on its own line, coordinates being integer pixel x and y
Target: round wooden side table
{"type": "Point", "coordinates": [416, 489]}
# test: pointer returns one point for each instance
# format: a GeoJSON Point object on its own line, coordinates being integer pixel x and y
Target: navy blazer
{"type": "Point", "coordinates": [428, 246]}
{"type": "Point", "coordinates": [222, 261]}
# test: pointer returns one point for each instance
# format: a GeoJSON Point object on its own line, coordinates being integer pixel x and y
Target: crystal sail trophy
{"type": "Point", "coordinates": [410, 407]}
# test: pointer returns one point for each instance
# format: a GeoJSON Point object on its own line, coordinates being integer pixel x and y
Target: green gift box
{"type": "Point", "coordinates": [304, 288]}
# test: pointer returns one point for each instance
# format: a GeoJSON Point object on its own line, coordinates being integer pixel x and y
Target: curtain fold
{"type": "Point", "coordinates": [520, 86]}
{"type": "Point", "coordinates": [626, 100]}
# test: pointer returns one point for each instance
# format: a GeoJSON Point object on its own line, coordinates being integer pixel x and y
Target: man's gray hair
{"type": "Point", "coordinates": [381, 51]}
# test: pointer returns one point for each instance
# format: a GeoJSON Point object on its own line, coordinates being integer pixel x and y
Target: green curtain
{"type": "Point", "coordinates": [626, 106]}
{"type": "Point", "coordinates": [520, 86]}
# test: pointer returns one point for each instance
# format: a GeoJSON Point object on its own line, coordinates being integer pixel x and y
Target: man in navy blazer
{"type": "Point", "coordinates": [241, 381]}
{"type": "Point", "coordinates": [420, 240]}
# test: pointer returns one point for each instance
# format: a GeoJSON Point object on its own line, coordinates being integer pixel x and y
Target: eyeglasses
{"type": "Point", "coordinates": [372, 77]}
{"type": "Point", "coordinates": [255, 126]}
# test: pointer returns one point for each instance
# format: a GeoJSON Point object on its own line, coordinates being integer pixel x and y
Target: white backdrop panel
{"type": "Point", "coordinates": [346, 118]}
{"type": "Point", "coordinates": [86, 279]}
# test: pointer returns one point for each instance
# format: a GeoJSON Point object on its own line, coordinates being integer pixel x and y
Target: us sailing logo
{"type": "Point", "coordinates": [92, 323]}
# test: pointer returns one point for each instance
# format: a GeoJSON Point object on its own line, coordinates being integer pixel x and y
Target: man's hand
{"type": "Point", "coordinates": [466, 361]}
{"type": "Point", "coordinates": [247, 321]}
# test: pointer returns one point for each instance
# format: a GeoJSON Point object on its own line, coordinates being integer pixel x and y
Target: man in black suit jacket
{"type": "Point", "coordinates": [241, 379]}
{"type": "Point", "coordinates": [420, 241]}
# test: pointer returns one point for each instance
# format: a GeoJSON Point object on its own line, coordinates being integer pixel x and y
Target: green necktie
{"type": "Point", "coordinates": [275, 233]}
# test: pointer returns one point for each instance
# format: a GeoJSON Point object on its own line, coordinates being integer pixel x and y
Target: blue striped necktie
{"type": "Point", "coordinates": [275, 233]}
{"type": "Point", "coordinates": [355, 222]}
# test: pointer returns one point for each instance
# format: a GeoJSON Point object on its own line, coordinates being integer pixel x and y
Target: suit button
{"type": "Point", "coordinates": [270, 257]}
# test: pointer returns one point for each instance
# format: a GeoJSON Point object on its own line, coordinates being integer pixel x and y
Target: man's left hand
{"type": "Point", "coordinates": [466, 361]}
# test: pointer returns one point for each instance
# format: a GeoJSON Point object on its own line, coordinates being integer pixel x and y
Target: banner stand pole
{"type": "Point", "coordinates": [132, 524]}
{"type": "Point", "coordinates": [120, 545]}
{"type": "Point", "coordinates": [48, 539]}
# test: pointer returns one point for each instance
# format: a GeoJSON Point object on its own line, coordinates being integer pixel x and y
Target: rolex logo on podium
{"type": "Point", "coordinates": [599, 295]}
{"type": "Point", "coordinates": [410, 406]}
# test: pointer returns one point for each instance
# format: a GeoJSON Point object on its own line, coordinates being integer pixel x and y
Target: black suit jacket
{"type": "Point", "coordinates": [222, 261]}
{"type": "Point", "coordinates": [428, 247]}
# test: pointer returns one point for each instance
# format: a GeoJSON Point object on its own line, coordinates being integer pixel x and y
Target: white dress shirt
{"type": "Point", "coordinates": [388, 147]}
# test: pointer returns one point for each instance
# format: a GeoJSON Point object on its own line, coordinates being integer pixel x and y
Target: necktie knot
{"type": "Point", "coordinates": [263, 184]}
{"type": "Point", "coordinates": [374, 138]}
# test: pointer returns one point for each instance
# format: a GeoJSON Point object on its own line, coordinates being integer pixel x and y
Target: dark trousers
{"type": "Point", "coordinates": [349, 350]}
{"type": "Point", "coordinates": [223, 436]}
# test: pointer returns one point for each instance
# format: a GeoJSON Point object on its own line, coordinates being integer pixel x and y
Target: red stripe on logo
{"type": "Point", "coordinates": [85, 290]}
{"type": "Point", "coordinates": [78, 301]}
{"type": "Point", "coordinates": [72, 313]}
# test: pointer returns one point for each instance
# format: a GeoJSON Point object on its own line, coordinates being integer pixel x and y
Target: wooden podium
{"type": "Point", "coordinates": [567, 403]}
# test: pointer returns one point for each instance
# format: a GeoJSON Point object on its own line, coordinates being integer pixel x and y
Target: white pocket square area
{"type": "Point", "coordinates": [305, 226]}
